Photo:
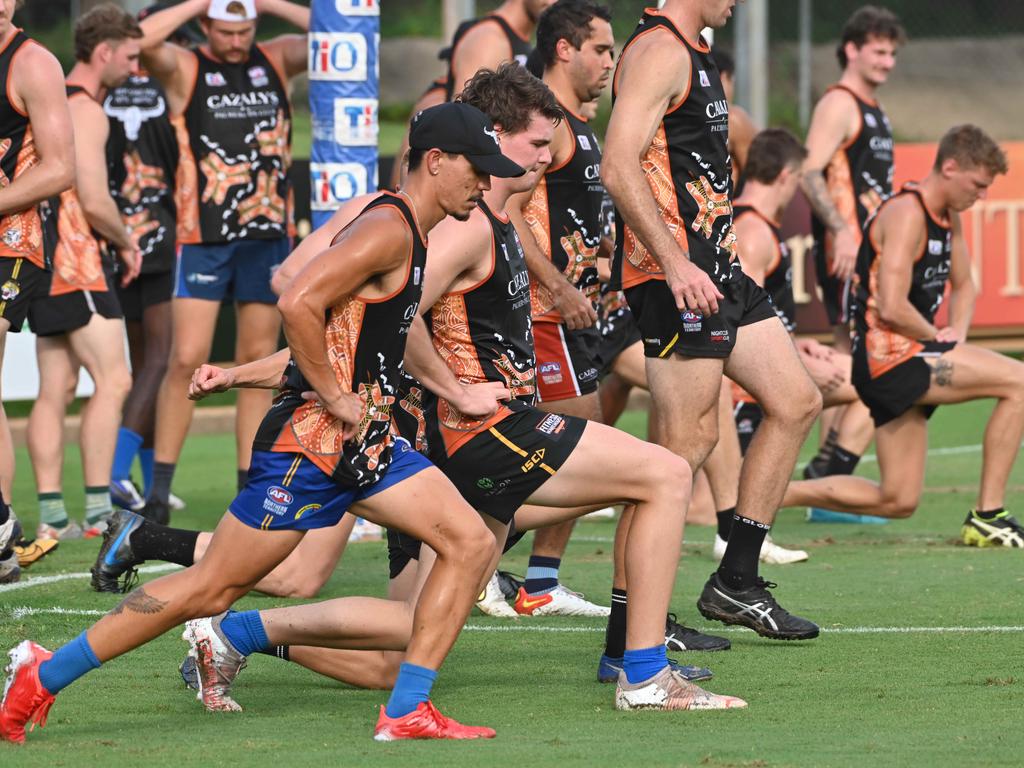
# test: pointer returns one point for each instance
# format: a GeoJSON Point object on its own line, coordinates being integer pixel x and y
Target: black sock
{"type": "Point", "coordinates": [725, 522]}
{"type": "Point", "coordinates": [842, 462]}
{"type": "Point", "coordinates": [615, 634]}
{"type": "Point", "coordinates": [152, 541]}
{"type": "Point", "coordinates": [243, 478]}
{"type": "Point", "coordinates": [825, 451]}
{"type": "Point", "coordinates": [280, 651]}
{"type": "Point", "coordinates": [989, 514]}
{"type": "Point", "coordinates": [739, 566]}
{"type": "Point", "coordinates": [163, 474]}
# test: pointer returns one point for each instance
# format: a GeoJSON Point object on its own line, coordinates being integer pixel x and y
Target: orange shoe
{"type": "Point", "coordinates": [425, 722]}
{"type": "Point", "coordinates": [526, 603]}
{"type": "Point", "coordinates": [25, 700]}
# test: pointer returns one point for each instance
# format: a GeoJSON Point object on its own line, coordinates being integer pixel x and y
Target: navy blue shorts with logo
{"type": "Point", "coordinates": [664, 329]}
{"type": "Point", "coordinates": [566, 361]}
{"type": "Point", "coordinates": [286, 491]}
{"type": "Point", "coordinates": [239, 270]}
{"type": "Point", "coordinates": [500, 468]}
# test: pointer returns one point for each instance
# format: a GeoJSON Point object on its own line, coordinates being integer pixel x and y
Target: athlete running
{"type": "Point", "coordinates": [315, 458]}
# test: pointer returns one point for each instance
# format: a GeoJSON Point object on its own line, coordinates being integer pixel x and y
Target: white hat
{"type": "Point", "coordinates": [232, 10]}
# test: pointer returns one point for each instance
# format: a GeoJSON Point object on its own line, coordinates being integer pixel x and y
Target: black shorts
{"type": "Point", "coordinates": [499, 469]}
{"type": "Point", "coordinates": [748, 417]}
{"type": "Point", "coordinates": [619, 332]}
{"type": "Point", "coordinates": [566, 361]}
{"type": "Point", "coordinates": [835, 293]}
{"type": "Point", "coordinates": [56, 315]}
{"type": "Point", "coordinates": [664, 329]}
{"type": "Point", "coordinates": [146, 290]}
{"type": "Point", "coordinates": [21, 282]}
{"type": "Point", "coordinates": [896, 391]}
{"type": "Point", "coordinates": [403, 549]}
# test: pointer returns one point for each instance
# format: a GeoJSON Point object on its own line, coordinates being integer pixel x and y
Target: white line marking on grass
{"type": "Point", "coordinates": [40, 580]}
{"type": "Point", "coordinates": [22, 611]}
{"type": "Point", "coordinates": [824, 630]}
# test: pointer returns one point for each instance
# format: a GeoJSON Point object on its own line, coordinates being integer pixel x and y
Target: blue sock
{"type": "Point", "coordinates": [128, 444]}
{"type": "Point", "coordinates": [411, 688]}
{"type": "Point", "coordinates": [68, 663]}
{"type": "Point", "coordinates": [244, 630]}
{"type": "Point", "coordinates": [541, 575]}
{"type": "Point", "coordinates": [146, 462]}
{"type": "Point", "coordinates": [644, 663]}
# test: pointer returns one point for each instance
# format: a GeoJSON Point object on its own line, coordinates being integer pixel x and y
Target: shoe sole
{"type": "Point", "coordinates": [709, 612]}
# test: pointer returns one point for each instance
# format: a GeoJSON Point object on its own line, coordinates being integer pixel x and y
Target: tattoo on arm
{"type": "Point", "coordinates": [943, 373]}
{"type": "Point", "coordinates": [817, 193]}
{"type": "Point", "coordinates": [140, 602]}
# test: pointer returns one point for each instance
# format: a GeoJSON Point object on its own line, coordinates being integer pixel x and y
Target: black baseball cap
{"type": "Point", "coordinates": [462, 129]}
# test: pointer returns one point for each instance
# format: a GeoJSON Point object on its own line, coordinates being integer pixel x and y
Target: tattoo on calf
{"type": "Point", "coordinates": [943, 373]}
{"type": "Point", "coordinates": [140, 602]}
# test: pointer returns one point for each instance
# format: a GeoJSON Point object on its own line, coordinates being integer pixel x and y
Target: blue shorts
{"type": "Point", "coordinates": [287, 492]}
{"type": "Point", "coordinates": [240, 270]}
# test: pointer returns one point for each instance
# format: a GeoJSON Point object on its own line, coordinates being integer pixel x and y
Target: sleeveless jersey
{"type": "Point", "coordinates": [859, 176]}
{"type": "Point", "coordinates": [365, 344]}
{"type": "Point", "coordinates": [778, 278]}
{"type": "Point", "coordinates": [565, 217]}
{"type": "Point", "coordinates": [71, 245]}
{"type": "Point", "coordinates": [520, 48]}
{"type": "Point", "coordinates": [689, 172]}
{"type": "Point", "coordinates": [484, 333]}
{"type": "Point", "coordinates": [21, 233]}
{"type": "Point", "coordinates": [238, 123]}
{"type": "Point", "coordinates": [142, 156]}
{"type": "Point", "coordinates": [884, 347]}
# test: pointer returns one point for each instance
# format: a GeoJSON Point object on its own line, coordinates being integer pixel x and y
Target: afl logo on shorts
{"type": "Point", "coordinates": [279, 495]}
{"type": "Point", "coordinates": [692, 321]}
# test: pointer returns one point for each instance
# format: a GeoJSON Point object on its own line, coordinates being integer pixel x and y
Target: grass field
{"type": "Point", "coordinates": [919, 661]}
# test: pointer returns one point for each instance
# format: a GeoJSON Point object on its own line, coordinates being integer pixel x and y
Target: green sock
{"type": "Point", "coordinates": [51, 509]}
{"type": "Point", "coordinates": [97, 503]}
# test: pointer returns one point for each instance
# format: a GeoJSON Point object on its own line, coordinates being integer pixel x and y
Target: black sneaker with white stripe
{"type": "Point", "coordinates": [680, 638]}
{"type": "Point", "coordinates": [755, 608]}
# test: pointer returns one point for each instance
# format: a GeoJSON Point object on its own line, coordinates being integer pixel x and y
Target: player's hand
{"type": "Point", "coordinates": [827, 376]}
{"type": "Point", "coordinates": [844, 254]}
{"type": "Point", "coordinates": [208, 379]}
{"type": "Point", "coordinates": [481, 401]}
{"type": "Point", "coordinates": [693, 289]}
{"type": "Point", "coordinates": [815, 349]}
{"type": "Point", "coordinates": [576, 310]}
{"type": "Point", "coordinates": [346, 408]}
{"type": "Point", "coordinates": [131, 258]}
{"type": "Point", "coordinates": [949, 333]}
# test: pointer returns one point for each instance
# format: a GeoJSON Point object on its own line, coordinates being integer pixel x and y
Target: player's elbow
{"type": "Point", "coordinates": [63, 173]}
{"type": "Point", "coordinates": [611, 175]}
{"type": "Point", "coordinates": [280, 280]}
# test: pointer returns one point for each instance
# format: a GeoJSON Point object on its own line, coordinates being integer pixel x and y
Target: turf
{"type": "Point", "coordinates": [949, 697]}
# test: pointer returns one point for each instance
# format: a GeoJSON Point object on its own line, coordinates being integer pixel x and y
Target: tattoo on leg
{"type": "Point", "coordinates": [943, 373]}
{"type": "Point", "coordinates": [140, 602]}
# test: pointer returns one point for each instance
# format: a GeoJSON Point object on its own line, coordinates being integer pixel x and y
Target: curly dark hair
{"type": "Point", "coordinates": [510, 96]}
{"type": "Point", "coordinates": [866, 22]}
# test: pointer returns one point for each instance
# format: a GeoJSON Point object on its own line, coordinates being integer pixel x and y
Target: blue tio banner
{"type": "Point", "coordinates": [344, 40]}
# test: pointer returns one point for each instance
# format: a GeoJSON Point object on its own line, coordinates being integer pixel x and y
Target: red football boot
{"type": "Point", "coordinates": [25, 700]}
{"type": "Point", "coordinates": [425, 722]}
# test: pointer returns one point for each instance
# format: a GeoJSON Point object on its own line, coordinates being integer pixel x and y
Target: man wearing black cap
{"type": "Point", "coordinates": [316, 458]}
{"type": "Point", "coordinates": [234, 198]}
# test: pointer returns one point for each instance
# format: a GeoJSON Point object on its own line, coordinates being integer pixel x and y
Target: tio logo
{"type": "Point", "coordinates": [337, 56]}
{"type": "Point", "coordinates": [357, 7]}
{"type": "Point", "coordinates": [355, 122]}
{"type": "Point", "coordinates": [334, 183]}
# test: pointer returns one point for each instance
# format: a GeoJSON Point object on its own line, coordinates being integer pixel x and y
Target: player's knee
{"type": "Point", "coordinates": [305, 585]}
{"type": "Point", "coordinates": [472, 543]}
{"type": "Point", "coordinates": [117, 382]}
{"type": "Point", "coordinates": [900, 507]}
{"type": "Point", "coordinates": [668, 478]}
